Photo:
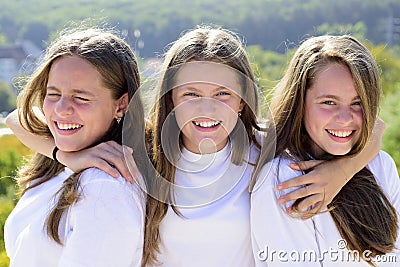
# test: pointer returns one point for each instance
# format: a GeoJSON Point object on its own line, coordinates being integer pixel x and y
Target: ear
{"type": "Point", "coordinates": [241, 106]}
{"type": "Point", "coordinates": [122, 106]}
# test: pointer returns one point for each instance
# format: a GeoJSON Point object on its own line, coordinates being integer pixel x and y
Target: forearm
{"type": "Point", "coordinates": [36, 143]}
{"type": "Point", "coordinates": [354, 164]}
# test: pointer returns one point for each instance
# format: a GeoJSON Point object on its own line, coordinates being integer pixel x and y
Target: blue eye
{"type": "Point", "coordinates": [189, 94]}
{"type": "Point", "coordinates": [223, 93]}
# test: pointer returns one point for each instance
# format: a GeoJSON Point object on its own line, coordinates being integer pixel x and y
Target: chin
{"type": "Point", "coordinates": [339, 152]}
{"type": "Point", "coordinates": [69, 148]}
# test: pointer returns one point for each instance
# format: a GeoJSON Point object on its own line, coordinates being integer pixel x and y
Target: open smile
{"type": "Point", "coordinates": [207, 124]}
{"type": "Point", "coordinates": [340, 134]}
{"type": "Point", "coordinates": [68, 126]}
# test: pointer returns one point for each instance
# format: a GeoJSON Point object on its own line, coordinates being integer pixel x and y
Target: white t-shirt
{"type": "Point", "coordinates": [104, 228]}
{"type": "Point", "coordinates": [279, 239]}
{"type": "Point", "coordinates": [214, 229]}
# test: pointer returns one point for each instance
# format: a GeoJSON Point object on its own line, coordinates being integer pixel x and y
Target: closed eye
{"type": "Point", "coordinates": [82, 99]}
{"type": "Point", "coordinates": [53, 95]}
{"type": "Point", "coordinates": [328, 102]}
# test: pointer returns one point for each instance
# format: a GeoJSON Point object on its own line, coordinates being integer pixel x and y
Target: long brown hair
{"type": "Point", "coordinates": [116, 62]}
{"type": "Point", "coordinates": [207, 45]}
{"type": "Point", "coordinates": [362, 213]}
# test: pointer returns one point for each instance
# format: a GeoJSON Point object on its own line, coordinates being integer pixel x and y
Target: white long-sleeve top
{"type": "Point", "coordinates": [279, 239]}
{"type": "Point", "coordinates": [104, 228]}
{"type": "Point", "coordinates": [214, 229]}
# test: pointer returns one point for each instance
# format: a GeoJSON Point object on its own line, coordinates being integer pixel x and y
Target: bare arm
{"type": "Point", "coordinates": [39, 144]}
{"type": "Point", "coordinates": [103, 156]}
{"type": "Point", "coordinates": [322, 184]}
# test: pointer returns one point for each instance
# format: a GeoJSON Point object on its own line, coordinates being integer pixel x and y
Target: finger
{"type": "Point", "coordinates": [131, 165]}
{"type": "Point", "coordinates": [305, 165]}
{"type": "Point", "coordinates": [112, 157]}
{"type": "Point", "coordinates": [107, 151]}
{"type": "Point", "coordinates": [124, 170]}
{"type": "Point", "coordinates": [112, 145]}
{"type": "Point", "coordinates": [119, 162]}
{"type": "Point", "coordinates": [296, 181]}
{"type": "Point", "coordinates": [310, 213]}
{"type": "Point", "coordinates": [301, 192]}
{"type": "Point", "coordinates": [106, 167]}
{"type": "Point", "coordinates": [310, 202]}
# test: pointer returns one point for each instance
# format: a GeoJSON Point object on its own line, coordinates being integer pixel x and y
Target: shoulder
{"type": "Point", "coordinates": [93, 178]}
{"type": "Point", "coordinates": [274, 172]}
{"type": "Point", "coordinates": [383, 162]}
{"type": "Point", "coordinates": [384, 168]}
{"type": "Point", "coordinates": [95, 175]}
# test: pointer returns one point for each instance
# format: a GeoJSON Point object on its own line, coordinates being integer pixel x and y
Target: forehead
{"type": "Point", "coordinates": [335, 79]}
{"type": "Point", "coordinates": [209, 73]}
{"type": "Point", "coordinates": [74, 72]}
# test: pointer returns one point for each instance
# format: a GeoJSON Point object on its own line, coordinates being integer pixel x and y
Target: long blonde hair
{"type": "Point", "coordinates": [115, 61]}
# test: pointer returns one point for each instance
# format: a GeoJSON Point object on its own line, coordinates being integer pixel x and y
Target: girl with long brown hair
{"type": "Point", "coordinates": [325, 107]}
{"type": "Point", "coordinates": [78, 96]}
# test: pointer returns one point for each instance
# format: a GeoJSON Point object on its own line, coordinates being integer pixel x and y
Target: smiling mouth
{"type": "Point", "coordinates": [341, 134]}
{"type": "Point", "coordinates": [68, 126]}
{"type": "Point", "coordinates": [206, 124]}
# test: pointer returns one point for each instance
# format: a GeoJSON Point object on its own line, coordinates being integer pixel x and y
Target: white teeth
{"type": "Point", "coordinates": [206, 124]}
{"type": "Point", "coordinates": [68, 126]}
{"type": "Point", "coordinates": [340, 133]}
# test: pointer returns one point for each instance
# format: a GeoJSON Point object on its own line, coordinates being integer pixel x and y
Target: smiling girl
{"type": "Point", "coordinates": [325, 108]}
{"type": "Point", "coordinates": [203, 126]}
{"type": "Point", "coordinates": [88, 218]}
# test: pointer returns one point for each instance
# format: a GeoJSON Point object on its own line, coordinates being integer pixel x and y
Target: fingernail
{"type": "Point", "coordinates": [130, 149]}
{"type": "Point", "coordinates": [294, 165]}
{"type": "Point", "coordinates": [289, 210]}
{"type": "Point", "coordinates": [281, 200]}
{"type": "Point", "coordinates": [279, 187]}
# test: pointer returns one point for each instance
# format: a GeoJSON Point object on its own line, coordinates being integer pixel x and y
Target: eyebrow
{"type": "Point", "coordinates": [336, 97]}
{"type": "Point", "coordinates": [190, 87]}
{"type": "Point", "coordinates": [76, 91]}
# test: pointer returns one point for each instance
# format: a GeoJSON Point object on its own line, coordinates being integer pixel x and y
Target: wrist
{"type": "Point", "coordinates": [54, 154]}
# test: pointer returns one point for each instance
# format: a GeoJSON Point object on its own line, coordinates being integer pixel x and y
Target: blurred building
{"type": "Point", "coordinates": [17, 59]}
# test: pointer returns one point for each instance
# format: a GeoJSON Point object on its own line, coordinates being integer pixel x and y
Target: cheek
{"type": "Point", "coordinates": [48, 107]}
{"type": "Point", "coordinates": [308, 119]}
{"type": "Point", "coordinates": [359, 118]}
{"type": "Point", "coordinates": [316, 120]}
{"type": "Point", "coordinates": [181, 119]}
{"type": "Point", "coordinates": [182, 114]}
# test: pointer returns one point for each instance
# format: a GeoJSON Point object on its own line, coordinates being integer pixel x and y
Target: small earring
{"type": "Point", "coordinates": [118, 120]}
{"type": "Point", "coordinates": [239, 114]}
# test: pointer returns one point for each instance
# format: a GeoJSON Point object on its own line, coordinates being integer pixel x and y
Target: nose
{"type": "Point", "coordinates": [344, 115]}
{"type": "Point", "coordinates": [64, 106]}
{"type": "Point", "coordinates": [207, 106]}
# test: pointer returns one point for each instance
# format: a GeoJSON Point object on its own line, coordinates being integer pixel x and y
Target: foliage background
{"type": "Point", "coordinates": [271, 29]}
{"type": "Point", "coordinates": [12, 154]}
